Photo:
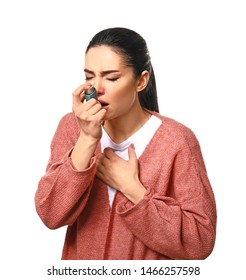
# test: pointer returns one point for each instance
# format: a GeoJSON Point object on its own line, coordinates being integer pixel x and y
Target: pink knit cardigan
{"type": "Point", "coordinates": [175, 220]}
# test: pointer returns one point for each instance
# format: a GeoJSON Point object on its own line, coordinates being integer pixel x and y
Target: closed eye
{"type": "Point", "coordinates": [112, 79]}
{"type": "Point", "coordinates": [88, 78]}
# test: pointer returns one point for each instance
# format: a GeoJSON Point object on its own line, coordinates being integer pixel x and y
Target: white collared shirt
{"type": "Point", "coordinates": [140, 139]}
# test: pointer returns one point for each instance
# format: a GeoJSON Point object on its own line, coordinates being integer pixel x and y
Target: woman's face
{"type": "Point", "coordinates": [115, 82]}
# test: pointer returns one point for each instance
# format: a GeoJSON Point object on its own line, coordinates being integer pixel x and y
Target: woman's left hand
{"type": "Point", "coordinates": [121, 174]}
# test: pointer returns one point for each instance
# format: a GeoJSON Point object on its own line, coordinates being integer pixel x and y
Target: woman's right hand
{"type": "Point", "coordinates": [90, 114]}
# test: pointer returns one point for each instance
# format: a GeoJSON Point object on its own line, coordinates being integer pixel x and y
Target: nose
{"type": "Point", "coordinates": [98, 84]}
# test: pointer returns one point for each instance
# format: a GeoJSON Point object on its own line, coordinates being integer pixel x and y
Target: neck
{"type": "Point", "coordinates": [121, 128]}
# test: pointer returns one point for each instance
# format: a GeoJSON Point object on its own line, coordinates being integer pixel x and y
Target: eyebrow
{"type": "Point", "coordinates": [102, 72]}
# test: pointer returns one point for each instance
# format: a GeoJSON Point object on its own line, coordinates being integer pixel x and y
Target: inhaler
{"type": "Point", "coordinates": [90, 93]}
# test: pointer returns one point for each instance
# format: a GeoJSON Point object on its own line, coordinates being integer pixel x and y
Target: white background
{"type": "Point", "coordinates": [198, 53]}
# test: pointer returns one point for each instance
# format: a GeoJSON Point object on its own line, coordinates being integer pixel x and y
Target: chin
{"type": "Point", "coordinates": [110, 116]}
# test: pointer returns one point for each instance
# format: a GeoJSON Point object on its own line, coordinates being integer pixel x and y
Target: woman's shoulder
{"type": "Point", "coordinates": [68, 119]}
{"type": "Point", "coordinates": [68, 124]}
{"type": "Point", "coordinates": [175, 132]}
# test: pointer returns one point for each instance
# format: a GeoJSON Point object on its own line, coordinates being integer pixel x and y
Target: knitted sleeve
{"type": "Point", "coordinates": [180, 221]}
{"type": "Point", "coordinates": [63, 191]}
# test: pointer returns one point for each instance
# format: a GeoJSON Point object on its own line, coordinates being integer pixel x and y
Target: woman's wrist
{"type": "Point", "coordinates": [136, 193]}
{"type": "Point", "coordinates": [83, 151]}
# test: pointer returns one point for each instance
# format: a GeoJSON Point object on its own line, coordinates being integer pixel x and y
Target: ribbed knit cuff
{"type": "Point", "coordinates": [127, 207]}
{"type": "Point", "coordinates": [92, 162]}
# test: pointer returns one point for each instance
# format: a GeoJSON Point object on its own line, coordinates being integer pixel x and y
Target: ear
{"type": "Point", "coordinates": [143, 81]}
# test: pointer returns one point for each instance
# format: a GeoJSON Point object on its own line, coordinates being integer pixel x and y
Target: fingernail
{"type": "Point", "coordinates": [132, 146]}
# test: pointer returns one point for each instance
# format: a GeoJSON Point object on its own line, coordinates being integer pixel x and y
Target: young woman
{"type": "Point", "coordinates": [128, 182]}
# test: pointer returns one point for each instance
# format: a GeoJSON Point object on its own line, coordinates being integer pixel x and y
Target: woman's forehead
{"type": "Point", "coordinates": [104, 57]}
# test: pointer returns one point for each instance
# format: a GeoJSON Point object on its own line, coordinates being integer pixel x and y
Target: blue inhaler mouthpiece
{"type": "Point", "coordinates": [90, 93]}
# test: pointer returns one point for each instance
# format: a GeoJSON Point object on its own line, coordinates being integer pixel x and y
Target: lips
{"type": "Point", "coordinates": [104, 104]}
